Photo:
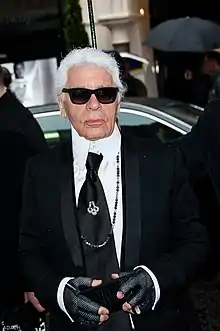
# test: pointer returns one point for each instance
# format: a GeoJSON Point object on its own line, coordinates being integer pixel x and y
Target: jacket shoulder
{"type": "Point", "coordinates": [49, 159]}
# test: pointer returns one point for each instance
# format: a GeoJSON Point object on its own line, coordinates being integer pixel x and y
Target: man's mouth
{"type": "Point", "coordinates": [94, 122]}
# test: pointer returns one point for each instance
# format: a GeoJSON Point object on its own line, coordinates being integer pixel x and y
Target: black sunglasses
{"type": "Point", "coordinates": [80, 96]}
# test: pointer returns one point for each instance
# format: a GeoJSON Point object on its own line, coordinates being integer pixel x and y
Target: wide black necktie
{"type": "Point", "coordinates": [93, 212]}
{"type": "Point", "coordinates": [95, 228]}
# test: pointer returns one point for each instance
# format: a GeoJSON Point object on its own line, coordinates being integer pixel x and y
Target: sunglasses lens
{"type": "Point", "coordinates": [79, 96]}
{"type": "Point", "coordinates": [106, 94]}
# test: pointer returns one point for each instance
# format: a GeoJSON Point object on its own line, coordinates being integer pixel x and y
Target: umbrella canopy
{"type": "Point", "coordinates": [185, 35]}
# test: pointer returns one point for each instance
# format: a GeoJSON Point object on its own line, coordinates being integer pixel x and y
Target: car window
{"type": "Point", "coordinates": [57, 129]}
{"type": "Point", "coordinates": [128, 119]}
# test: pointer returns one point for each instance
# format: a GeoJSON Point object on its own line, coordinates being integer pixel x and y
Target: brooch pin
{"type": "Point", "coordinates": [93, 209]}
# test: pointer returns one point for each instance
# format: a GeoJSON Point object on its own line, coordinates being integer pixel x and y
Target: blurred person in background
{"type": "Point", "coordinates": [135, 87]}
{"type": "Point", "coordinates": [20, 138]}
{"type": "Point", "coordinates": [211, 68]}
{"type": "Point", "coordinates": [19, 82]}
{"type": "Point", "coordinates": [201, 150]}
{"type": "Point", "coordinates": [19, 70]}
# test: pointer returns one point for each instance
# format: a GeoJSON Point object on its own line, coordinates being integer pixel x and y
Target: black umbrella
{"type": "Point", "coordinates": [185, 35]}
{"type": "Point", "coordinates": [92, 23]}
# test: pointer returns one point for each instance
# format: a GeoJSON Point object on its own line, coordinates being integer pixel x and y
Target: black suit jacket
{"type": "Point", "coordinates": [161, 228]}
{"type": "Point", "coordinates": [20, 138]}
{"type": "Point", "coordinates": [201, 150]}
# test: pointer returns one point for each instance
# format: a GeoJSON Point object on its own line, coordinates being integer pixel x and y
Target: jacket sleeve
{"type": "Point", "coordinates": [195, 145]}
{"type": "Point", "coordinates": [33, 133]}
{"type": "Point", "coordinates": [44, 281]}
{"type": "Point", "coordinates": [190, 245]}
{"type": "Point", "coordinates": [14, 156]}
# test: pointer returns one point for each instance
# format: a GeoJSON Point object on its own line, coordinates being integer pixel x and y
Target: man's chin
{"type": "Point", "coordinates": [95, 134]}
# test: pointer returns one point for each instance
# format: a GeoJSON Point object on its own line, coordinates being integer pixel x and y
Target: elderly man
{"type": "Point", "coordinates": [104, 206]}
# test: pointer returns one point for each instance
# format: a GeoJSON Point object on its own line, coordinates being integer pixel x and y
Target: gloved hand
{"type": "Point", "coordinates": [80, 308]}
{"type": "Point", "coordinates": [139, 288]}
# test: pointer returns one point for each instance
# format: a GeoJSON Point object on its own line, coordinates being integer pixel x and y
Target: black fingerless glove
{"type": "Point", "coordinates": [81, 309]}
{"type": "Point", "coordinates": [139, 288]}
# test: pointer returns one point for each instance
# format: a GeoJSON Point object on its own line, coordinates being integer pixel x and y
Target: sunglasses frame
{"type": "Point", "coordinates": [91, 92]}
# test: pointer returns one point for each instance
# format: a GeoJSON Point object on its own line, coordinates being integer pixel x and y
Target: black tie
{"type": "Point", "coordinates": [93, 212]}
{"type": "Point", "coordinates": [101, 260]}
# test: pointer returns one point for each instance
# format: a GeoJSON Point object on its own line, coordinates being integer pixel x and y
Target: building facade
{"type": "Point", "coordinates": [123, 25]}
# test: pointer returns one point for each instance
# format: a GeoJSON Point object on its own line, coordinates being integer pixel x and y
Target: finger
{"type": "Point", "coordinates": [145, 304]}
{"type": "Point", "coordinates": [103, 311]}
{"type": "Point", "coordinates": [127, 308]}
{"type": "Point", "coordinates": [87, 304]}
{"type": "Point", "coordinates": [92, 318]}
{"type": "Point", "coordinates": [96, 282]}
{"type": "Point", "coordinates": [39, 308]}
{"type": "Point", "coordinates": [36, 303]}
{"type": "Point", "coordinates": [115, 276]}
{"type": "Point", "coordinates": [91, 306]}
{"type": "Point", "coordinates": [128, 285]}
{"type": "Point", "coordinates": [34, 300]}
{"type": "Point", "coordinates": [103, 318]}
{"type": "Point", "coordinates": [136, 300]}
{"type": "Point", "coordinates": [81, 281]}
{"type": "Point", "coordinates": [87, 318]}
{"type": "Point", "coordinates": [137, 310]}
{"type": "Point", "coordinates": [120, 295]}
{"type": "Point", "coordinates": [28, 296]}
{"type": "Point", "coordinates": [123, 274]}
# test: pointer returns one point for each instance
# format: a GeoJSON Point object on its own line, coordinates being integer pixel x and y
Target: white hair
{"type": "Point", "coordinates": [89, 57]}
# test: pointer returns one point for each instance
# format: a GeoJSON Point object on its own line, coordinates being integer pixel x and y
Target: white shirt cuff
{"type": "Point", "coordinates": [155, 281]}
{"type": "Point", "coordinates": [60, 291]}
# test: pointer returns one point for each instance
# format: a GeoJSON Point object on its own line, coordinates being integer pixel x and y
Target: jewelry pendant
{"type": "Point", "coordinates": [93, 209]}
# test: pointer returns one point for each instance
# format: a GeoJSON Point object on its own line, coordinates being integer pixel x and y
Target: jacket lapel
{"type": "Point", "coordinates": [68, 206]}
{"type": "Point", "coordinates": [131, 205]}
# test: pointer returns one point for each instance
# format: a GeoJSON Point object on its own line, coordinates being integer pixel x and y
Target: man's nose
{"type": "Point", "coordinates": [93, 103]}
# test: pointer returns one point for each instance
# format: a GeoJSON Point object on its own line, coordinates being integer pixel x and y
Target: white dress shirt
{"type": "Point", "coordinates": [109, 147]}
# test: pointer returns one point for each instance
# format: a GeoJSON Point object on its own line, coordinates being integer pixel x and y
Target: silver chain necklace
{"type": "Point", "coordinates": [91, 245]}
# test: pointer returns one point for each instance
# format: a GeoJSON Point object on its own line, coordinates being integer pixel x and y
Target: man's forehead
{"type": "Point", "coordinates": [86, 74]}
{"type": "Point", "coordinates": [87, 67]}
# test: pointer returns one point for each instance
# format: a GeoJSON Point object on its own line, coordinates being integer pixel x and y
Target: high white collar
{"type": "Point", "coordinates": [109, 147]}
